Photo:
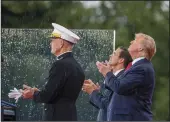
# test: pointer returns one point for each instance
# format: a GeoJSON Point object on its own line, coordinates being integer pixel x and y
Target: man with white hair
{"type": "Point", "coordinates": [136, 84]}
{"type": "Point", "coordinates": [65, 79]}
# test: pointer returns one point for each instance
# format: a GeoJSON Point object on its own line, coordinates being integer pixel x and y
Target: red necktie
{"type": "Point", "coordinates": [129, 65]}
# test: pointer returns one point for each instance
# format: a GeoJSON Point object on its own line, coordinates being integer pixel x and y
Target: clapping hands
{"type": "Point", "coordinates": [89, 86]}
{"type": "Point", "coordinates": [103, 68]}
{"type": "Point", "coordinates": [28, 92]}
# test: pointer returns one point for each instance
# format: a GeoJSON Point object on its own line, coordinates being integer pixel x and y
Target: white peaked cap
{"type": "Point", "coordinates": [65, 33]}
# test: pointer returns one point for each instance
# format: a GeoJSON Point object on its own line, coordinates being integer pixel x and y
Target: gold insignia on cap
{"type": "Point", "coordinates": [55, 35]}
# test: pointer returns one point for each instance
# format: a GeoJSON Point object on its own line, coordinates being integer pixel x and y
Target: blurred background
{"type": "Point", "coordinates": [127, 18]}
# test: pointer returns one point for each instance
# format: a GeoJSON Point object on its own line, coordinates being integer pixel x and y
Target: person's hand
{"type": "Point", "coordinates": [103, 68]}
{"type": "Point", "coordinates": [28, 92]}
{"type": "Point", "coordinates": [28, 87]}
{"type": "Point", "coordinates": [35, 89]}
{"type": "Point", "coordinates": [89, 86]}
{"type": "Point", "coordinates": [104, 63]}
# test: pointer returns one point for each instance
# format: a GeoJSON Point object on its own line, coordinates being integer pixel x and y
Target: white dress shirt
{"type": "Point", "coordinates": [137, 59]}
{"type": "Point", "coordinates": [115, 73]}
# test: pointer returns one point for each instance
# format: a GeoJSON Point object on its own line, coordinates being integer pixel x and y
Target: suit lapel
{"type": "Point", "coordinates": [120, 73]}
{"type": "Point", "coordinates": [134, 65]}
{"type": "Point", "coordinates": [140, 62]}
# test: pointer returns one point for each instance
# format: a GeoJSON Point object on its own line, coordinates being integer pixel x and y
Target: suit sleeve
{"type": "Point", "coordinates": [99, 100]}
{"type": "Point", "coordinates": [54, 83]}
{"type": "Point", "coordinates": [126, 83]}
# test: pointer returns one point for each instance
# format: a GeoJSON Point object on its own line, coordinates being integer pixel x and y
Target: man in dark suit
{"type": "Point", "coordinates": [100, 98]}
{"type": "Point", "coordinates": [65, 79]}
{"type": "Point", "coordinates": [133, 91]}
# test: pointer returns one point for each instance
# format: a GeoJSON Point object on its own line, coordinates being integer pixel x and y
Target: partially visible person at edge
{"type": "Point", "coordinates": [65, 79]}
{"type": "Point", "coordinates": [136, 84]}
{"type": "Point", "coordinates": [100, 96]}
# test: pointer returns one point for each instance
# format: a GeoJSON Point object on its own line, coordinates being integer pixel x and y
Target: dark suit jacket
{"type": "Point", "coordinates": [133, 93]}
{"type": "Point", "coordinates": [100, 99]}
{"type": "Point", "coordinates": [62, 89]}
